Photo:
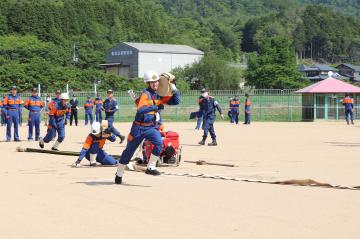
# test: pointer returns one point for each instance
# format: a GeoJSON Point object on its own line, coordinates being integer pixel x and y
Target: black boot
{"type": "Point", "coordinates": [202, 142]}
{"type": "Point", "coordinates": [213, 143]}
{"type": "Point", "coordinates": [41, 143]}
{"type": "Point", "coordinates": [118, 180]}
{"type": "Point", "coordinates": [153, 172]}
{"type": "Point", "coordinates": [122, 138]}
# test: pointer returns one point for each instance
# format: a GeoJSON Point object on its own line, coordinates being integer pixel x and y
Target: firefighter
{"type": "Point", "coordinates": [34, 105]}
{"type": "Point", "coordinates": [247, 109]}
{"type": "Point", "coordinates": [3, 112]}
{"type": "Point", "coordinates": [60, 111]}
{"type": "Point", "coordinates": [93, 147]}
{"type": "Point", "coordinates": [12, 104]}
{"type": "Point", "coordinates": [53, 102]}
{"type": "Point", "coordinates": [74, 110]}
{"type": "Point", "coordinates": [209, 106]}
{"type": "Point", "coordinates": [88, 106]}
{"type": "Point", "coordinates": [144, 125]}
{"type": "Point", "coordinates": [110, 106]}
{"type": "Point", "coordinates": [200, 113]}
{"type": "Point", "coordinates": [348, 103]}
{"type": "Point", "coordinates": [234, 110]}
{"type": "Point", "coordinates": [229, 110]}
{"type": "Point", "coordinates": [98, 102]}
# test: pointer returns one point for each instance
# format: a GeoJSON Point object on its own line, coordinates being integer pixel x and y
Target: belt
{"type": "Point", "coordinates": [33, 111]}
{"type": "Point", "coordinates": [143, 124]}
{"type": "Point", "coordinates": [13, 109]}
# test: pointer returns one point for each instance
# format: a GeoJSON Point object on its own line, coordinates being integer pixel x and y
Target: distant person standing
{"type": "Point", "coordinates": [348, 103]}
{"type": "Point", "coordinates": [34, 104]}
{"type": "Point", "coordinates": [235, 110]}
{"type": "Point", "coordinates": [74, 110]}
{"type": "Point", "coordinates": [98, 102]}
{"type": "Point", "coordinates": [200, 113]}
{"type": "Point", "coordinates": [12, 104]}
{"type": "Point", "coordinates": [3, 112]}
{"type": "Point", "coordinates": [247, 109]}
{"type": "Point", "coordinates": [88, 106]}
{"type": "Point", "coordinates": [110, 106]}
{"type": "Point", "coordinates": [209, 106]}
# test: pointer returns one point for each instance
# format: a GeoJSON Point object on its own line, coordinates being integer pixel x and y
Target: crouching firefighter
{"type": "Point", "coordinates": [93, 147]}
{"type": "Point", "coordinates": [58, 112]}
{"type": "Point", "coordinates": [145, 123]}
{"type": "Point", "coordinates": [209, 106]}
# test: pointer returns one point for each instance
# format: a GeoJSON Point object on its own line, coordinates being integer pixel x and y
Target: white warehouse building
{"type": "Point", "coordinates": [133, 59]}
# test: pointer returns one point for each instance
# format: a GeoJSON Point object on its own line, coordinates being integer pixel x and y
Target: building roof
{"type": "Point", "coordinates": [356, 68]}
{"type": "Point", "coordinates": [317, 68]}
{"type": "Point", "coordinates": [164, 48]}
{"type": "Point", "coordinates": [330, 85]}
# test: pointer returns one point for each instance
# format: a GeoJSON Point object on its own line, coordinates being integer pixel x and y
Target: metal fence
{"type": "Point", "coordinates": [267, 104]}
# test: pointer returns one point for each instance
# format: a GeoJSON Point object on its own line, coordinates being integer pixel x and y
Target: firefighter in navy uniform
{"type": "Point", "coordinates": [200, 114]}
{"type": "Point", "coordinates": [209, 106]}
{"type": "Point", "coordinates": [88, 107]}
{"type": "Point", "coordinates": [93, 146]}
{"type": "Point", "coordinates": [34, 105]}
{"type": "Point", "coordinates": [3, 112]}
{"type": "Point", "coordinates": [235, 110]}
{"type": "Point", "coordinates": [98, 102]}
{"type": "Point", "coordinates": [145, 124]}
{"type": "Point", "coordinates": [348, 103]}
{"type": "Point", "coordinates": [110, 106]}
{"type": "Point", "coordinates": [58, 116]}
{"type": "Point", "coordinates": [12, 104]}
{"type": "Point", "coordinates": [74, 110]}
{"type": "Point", "coordinates": [247, 109]}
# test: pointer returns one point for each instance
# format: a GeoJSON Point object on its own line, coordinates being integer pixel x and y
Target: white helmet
{"type": "Point", "coordinates": [64, 96]}
{"type": "Point", "coordinates": [96, 128]}
{"type": "Point", "coordinates": [150, 76]}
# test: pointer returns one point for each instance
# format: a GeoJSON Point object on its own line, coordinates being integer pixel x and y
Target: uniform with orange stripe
{"type": "Point", "coordinates": [349, 108]}
{"type": "Point", "coordinates": [3, 112]}
{"type": "Point", "coordinates": [88, 106]}
{"type": "Point", "coordinates": [34, 104]}
{"type": "Point", "coordinates": [98, 102]}
{"type": "Point", "coordinates": [12, 104]}
{"type": "Point", "coordinates": [58, 112]}
{"type": "Point", "coordinates": [144, 125]}
{"type": "Point", "coordinates": [247, 109]}
{"type": "Point", "coordinates": [54, 101]}
{"type": "Point", "coordinates": [93, 147]}
{"type": "Point", "coordinates": [234, 110]}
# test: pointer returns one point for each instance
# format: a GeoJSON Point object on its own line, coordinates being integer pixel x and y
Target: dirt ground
{"type": "Point", "coordinates": [43, 197]}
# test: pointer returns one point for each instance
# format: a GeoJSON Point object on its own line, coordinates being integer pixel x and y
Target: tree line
{"type": "Point", "coordinates": [36, 37]}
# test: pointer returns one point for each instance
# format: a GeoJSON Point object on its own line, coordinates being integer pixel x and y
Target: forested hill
{"type": "Point", "coordinates": [347, 7]}
{"type": "Point", "coordinates": [36, 36]}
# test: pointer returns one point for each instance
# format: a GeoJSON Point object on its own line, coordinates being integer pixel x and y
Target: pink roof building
{"type": "Point", "coordinates": [331, 86]}
{"type": "Point", "coordinates": [323, 100]}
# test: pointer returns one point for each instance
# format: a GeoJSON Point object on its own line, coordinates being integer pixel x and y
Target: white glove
{"type": "Point", "coordinates": [173, 87]}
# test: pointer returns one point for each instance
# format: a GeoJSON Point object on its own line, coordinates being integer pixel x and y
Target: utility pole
{"type": "Point", "coordinates": [75, 59]}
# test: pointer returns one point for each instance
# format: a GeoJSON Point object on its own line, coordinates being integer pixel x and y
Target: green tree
{"type": "Point", "coordinates": [275, 66]}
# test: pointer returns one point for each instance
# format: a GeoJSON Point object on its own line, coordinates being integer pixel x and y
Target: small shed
{"type": "Point", "coordinates": [322, 100]}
